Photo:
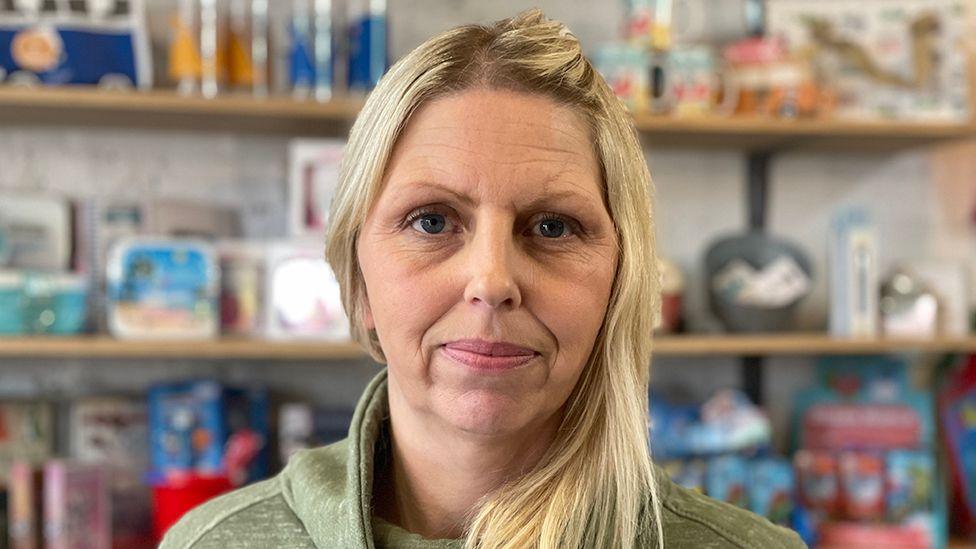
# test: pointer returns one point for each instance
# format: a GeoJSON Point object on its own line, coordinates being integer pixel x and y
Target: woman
{"type": "Point", "coordinates": [493, 236]}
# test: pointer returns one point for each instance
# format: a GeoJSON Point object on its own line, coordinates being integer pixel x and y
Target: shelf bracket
{"type": "Point", "coordinates": [757, 178]}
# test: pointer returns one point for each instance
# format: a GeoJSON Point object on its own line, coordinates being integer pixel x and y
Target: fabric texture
{"type": "Point", "coordinates": [322, 500]}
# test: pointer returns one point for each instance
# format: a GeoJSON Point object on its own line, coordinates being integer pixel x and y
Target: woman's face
{"type": "Point", "coordinates": [490, 237]}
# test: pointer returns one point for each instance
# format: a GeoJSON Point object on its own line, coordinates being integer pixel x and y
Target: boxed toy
{"type": "Point", "coordinates": [25, 510]}
{"type": "Point", "coordinates": [885, 59]}
{"type": "Point", "coordinates": [55, 43]}
{"type": "Point", "coordinates": [313, 175]}
{"type": "Point", "coordinates": [200, 426]}
{"type": "Point", "coordinates": [303, 294]}
{"type": "Point", "coordinates": [26, 432]}
{"type": "Point", "coordinates": [865, 456]}
{"type": "Point", "coordinates": [162, 288]}
{"type": "Point", "coordinates": [77, 509]}
{"type": "Point", "coordinates": [242, 299]}
{"type": "Point", "coordinates": [113, 432]}
{"type": "Point", "coordinates": [957, 413]}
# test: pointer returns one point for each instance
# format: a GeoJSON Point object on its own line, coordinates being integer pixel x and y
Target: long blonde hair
{"type": "Point", "coordinates": [595, 487]}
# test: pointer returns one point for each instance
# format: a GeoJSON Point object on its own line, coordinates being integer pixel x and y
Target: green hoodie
{"type": "Point", "coordinates": [322, 500]}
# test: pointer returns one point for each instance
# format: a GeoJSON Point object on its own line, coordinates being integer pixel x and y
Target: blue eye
{"type": "Point", "coordinates": [553, 228]}
{"type": "Point", "coordinates": [429, 223]}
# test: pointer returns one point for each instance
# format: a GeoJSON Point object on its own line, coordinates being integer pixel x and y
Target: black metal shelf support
{"type": "Point", "coordinates": [757, 178]}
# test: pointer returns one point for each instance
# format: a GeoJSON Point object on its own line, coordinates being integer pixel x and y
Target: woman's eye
{"type": "Point", "coordinates": [553, 228]}
{"type": "Point", "coordinates": [429, 223]}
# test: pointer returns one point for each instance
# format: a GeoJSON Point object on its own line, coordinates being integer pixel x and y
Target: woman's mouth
{"type": "Point", "coordinates": [487, 355]}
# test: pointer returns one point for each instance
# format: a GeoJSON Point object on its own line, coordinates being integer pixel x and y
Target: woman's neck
{"type": "Point", "coordinates": [436, 477]}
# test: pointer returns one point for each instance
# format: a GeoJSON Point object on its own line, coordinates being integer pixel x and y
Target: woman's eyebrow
{"type": "Point", "coordinates": [543, 199]}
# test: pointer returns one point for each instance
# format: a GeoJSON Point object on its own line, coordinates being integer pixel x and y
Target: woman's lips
{"type": "Point", "coordinates": [487, 355]}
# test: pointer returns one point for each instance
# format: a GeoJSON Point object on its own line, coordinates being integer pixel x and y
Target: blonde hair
{"type": "Point", "coordinates": [595, 487]}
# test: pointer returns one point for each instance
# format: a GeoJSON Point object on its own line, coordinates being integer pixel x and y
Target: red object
{"type": "Point", "coordinates": [862, 485]}
{"type": "Point", "coordinates": [856, 426]}
{"type": "Point", "coordinates": [178, 494]}
{"type": "Point", "coordinates": [854, 535]}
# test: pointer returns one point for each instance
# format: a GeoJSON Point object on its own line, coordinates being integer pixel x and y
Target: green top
{"type": "Point", "coordinates": [322, 500]}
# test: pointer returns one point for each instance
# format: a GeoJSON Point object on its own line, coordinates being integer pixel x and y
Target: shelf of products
{"type": "Point", "coordinates": [718, 345]}
{"type": "Point", "coordinates": [284, 115]}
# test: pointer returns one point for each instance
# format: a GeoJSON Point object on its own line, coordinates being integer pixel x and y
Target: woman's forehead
{"type": "Point", "coordinates": [483, 142]}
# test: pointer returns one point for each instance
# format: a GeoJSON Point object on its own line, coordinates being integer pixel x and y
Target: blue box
{"type": "Point", "coordinates": [190, 423]}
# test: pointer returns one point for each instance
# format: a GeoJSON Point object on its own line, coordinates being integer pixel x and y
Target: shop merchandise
{"type": "Point", "coordinates": [37, 233]}
{"type": "Point", "coordinates": [865, 456]}
{"type": "Point", "coordinates": [113, 432]}
{"type": "Point", "coordinates": [886, 59]}
{"type": "Point", "coordinates": [303, 295]}
{"type": "Point", "coordinates": [957, 414]}
{"type": "Point", "coordinates": [102, 43]}
{"type": "Point", "coordinates": [162, 288]}
{"type": "Point", "coordinates": [909, 309]}
{"type": "Point", "coordinates": [313, 175]}
{"type": "Point", "coordinates": [25, 509]}
{"type": "Point", "coordinates": [368, 43]}
{"type": "Point", "coordinates": [39, 303]}
{"type": "Point", "coordinates": [77, 506]}
{"type": "Point", "coordinates": [195, 427]}
{"type": "Point", "coordinates": [242, 286]}
{"type": "Point", "coordinates": [852, 259]}
{"type": "Point", "coordinates": [26, 432]}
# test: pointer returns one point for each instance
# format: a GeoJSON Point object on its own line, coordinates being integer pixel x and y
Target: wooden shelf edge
{"type": "Point", "coordinates": [106, 347]}
{"type": "Point", "coordinates": [801, 344]}
{"type": "Point", "coordinates": [167, 109]}
{"type": "Point", "coordinates": [682, 345]}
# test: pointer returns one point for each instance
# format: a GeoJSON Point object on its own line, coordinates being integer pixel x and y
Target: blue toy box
{"type": "Point", "coordinates": [191, 422]}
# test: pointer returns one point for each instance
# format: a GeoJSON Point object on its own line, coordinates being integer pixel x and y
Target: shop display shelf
{"type": "Point", "coordinates": [163, 109]}
{"type": "Point", "coordinates": [678, 345]}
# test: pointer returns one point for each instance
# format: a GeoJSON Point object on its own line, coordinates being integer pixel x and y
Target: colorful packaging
{"type": "Point", "coordinates": [726, 480]}
{"type": "Point", "coordinates": [888, 59]}
{"type": "Point", "coordinates": [854, 276]}
{"type": "Point", "coordinates": [193, 425]}
{"type": "Point", "coordinates": [770, 489]}
{"type": "Point", "coordinates": [689, 473]}
{"type": "Point", "coordinates": [77, 509]}
{"type": "Point", "coordinates": [313, 176]}
{"type": "Point", "coordinates": [368, 47]}
{"type": "Point", "coordinates": [26, 432]}
{"type": "Point", "coordinates": [303, 295]}
{"type": "Point", "coordinates": [910, 478]}
{"type": "Point", "coordinates": [162, 288]}
{"type": "Point", "coordinates": [25, 510]}
{"type": "Point", "coordinates": [57, 43]}
{"type": "Point", "coordinates": [113, 432]}
{"type": "Point", "coordinates": [819, 487]}
{"type": "Point", "coordinates": [242, 272]}
{"type": "Point", "coordinates": [301, 53]}
{"type": "Point", "coordinates": [862, 483]}
{"type": "Point", "coordinates": [626, 69]}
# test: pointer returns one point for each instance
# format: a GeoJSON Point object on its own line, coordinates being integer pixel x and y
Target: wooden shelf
{"type": "Point", "coordinates": [765, 345]}
{"type": "Point", "coordinates": [106, 347]}
{"type": "Point", "coordinates": [957, 543]}
{"type": "Point", "coordinates": [282, 115]}
{"type": "Point", "coordinates": [167, 110]}
{"type": "Point", "coordinates": [770, 134]}
{"type": "Point", "coordinates": [801, 344]}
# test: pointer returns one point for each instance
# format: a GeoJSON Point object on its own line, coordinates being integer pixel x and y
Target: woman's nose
{"type": "Point", "coordinates": [492, 279]}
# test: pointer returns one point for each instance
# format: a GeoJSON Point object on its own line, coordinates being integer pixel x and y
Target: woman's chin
{"type": "Point", "coordinates": [485, 412]}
